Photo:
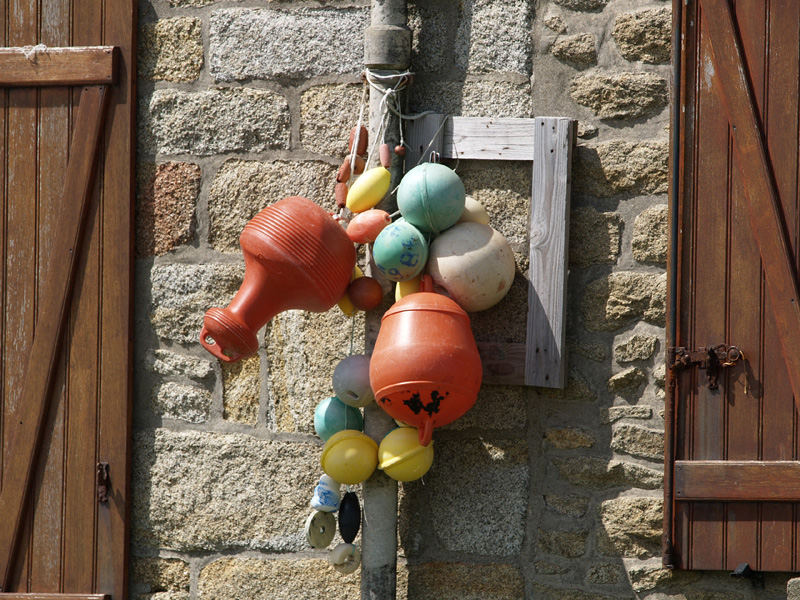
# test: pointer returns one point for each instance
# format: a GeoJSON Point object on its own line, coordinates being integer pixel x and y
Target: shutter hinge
{"type": "Point", "coordinates": [103, 482]}
{"type": "Point", "coordinates": [710, 358]}
{"type": "Point", "coordinates": [743, 571]}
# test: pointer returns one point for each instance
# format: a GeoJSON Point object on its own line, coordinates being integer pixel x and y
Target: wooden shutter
{"type": "Point", "coordinates": [66, 166]}
{"type": "Point", "coordinates": [732, 473]}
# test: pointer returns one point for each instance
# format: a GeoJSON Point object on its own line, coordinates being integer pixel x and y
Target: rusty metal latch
{"type": "Point", "coordinates": [103, 482]}
{"type": "Point", "coordinates": [710, 358]}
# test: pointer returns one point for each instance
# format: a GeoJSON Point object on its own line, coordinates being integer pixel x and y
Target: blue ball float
{"type": "Point", "coordinates": [400, 251]}
{"type": "Point", "coordinates": [431, 197]}
{"type": "Point", "coordinates": [332, 416]}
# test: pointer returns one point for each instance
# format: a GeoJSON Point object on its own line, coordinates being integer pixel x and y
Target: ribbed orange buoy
{"type": "Point", "coordinates": [295, 256]}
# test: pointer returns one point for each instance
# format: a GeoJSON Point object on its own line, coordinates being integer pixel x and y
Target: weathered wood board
{"type": "Point", "coordinates": [548, 142]}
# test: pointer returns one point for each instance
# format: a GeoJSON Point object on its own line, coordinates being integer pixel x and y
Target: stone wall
{"type": "Point", "coordinates": [534, 493]}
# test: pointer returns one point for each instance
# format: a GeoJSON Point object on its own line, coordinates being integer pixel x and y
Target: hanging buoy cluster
{"type": "Point", "coordinates": [425, 370]}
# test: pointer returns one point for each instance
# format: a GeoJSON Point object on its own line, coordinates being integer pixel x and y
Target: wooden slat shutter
{"type": "Point", "coordinates": [66, 173]}
{"type": "Point", "coordinates": [733, 476]}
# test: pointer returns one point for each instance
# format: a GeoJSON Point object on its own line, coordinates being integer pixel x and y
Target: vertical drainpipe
{"type": "Point", "coordinates": [387, 49]}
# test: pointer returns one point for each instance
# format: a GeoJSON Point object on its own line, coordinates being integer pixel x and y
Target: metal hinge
{"type": "Point", "coordinates": [710, 358]}
{"type": "Point", "coordinates": [743, 571]}
{"type": "Point", "coordinates": [103, 482]}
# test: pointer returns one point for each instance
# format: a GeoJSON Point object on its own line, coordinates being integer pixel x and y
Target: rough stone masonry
{"type": "Point", "coordinates": [534, 493]}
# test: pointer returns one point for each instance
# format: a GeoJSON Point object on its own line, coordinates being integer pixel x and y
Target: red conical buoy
{"type": "Point", "coordinates": [295, 256]}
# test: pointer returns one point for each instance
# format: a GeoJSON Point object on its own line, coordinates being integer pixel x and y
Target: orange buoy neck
{"type": "Point", "coordinates": [427, 300]}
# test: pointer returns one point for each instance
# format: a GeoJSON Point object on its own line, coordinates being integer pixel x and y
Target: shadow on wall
{"type": "Point", "coordinates": [440, 28]}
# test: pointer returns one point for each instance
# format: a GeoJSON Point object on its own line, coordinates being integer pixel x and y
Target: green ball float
{"type": "Point", "coordinates": [431, 197]}
{"type": "Point", "coordinates": [332, 416]}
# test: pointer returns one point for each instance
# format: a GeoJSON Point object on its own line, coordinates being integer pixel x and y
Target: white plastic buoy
{"type": "Point", "coordinates": [345, 558]}
{"type": "Point", "coordinates": [473, 212]}
{"type": "Point", "coordinates": [351, 381]}
{"type": "Point", "coordinates": [320, 529]}
{"type": "Point", "coordinates": [474, 263]}
{"type": "Point", "coordinates": [326, 495]}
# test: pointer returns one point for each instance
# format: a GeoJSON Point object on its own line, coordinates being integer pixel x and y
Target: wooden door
{"type": "Point", "coordinates": [732, 481]}
{"type": "Point", "coordinates": [66, 166]}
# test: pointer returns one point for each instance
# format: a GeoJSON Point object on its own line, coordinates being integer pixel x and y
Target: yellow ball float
{"type": "Point", "coordinates": [402, 457]}
{"type": "Point", "coordinates": [368, 189]}
{"type": "Point", "coordinates": [345, 304]}
{"type": "Point", "coordinates": [349, 456]}
{"type": "Point", "coordinates": [409, 286]}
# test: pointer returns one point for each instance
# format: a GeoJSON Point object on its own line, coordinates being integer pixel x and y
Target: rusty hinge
{"type": "Point", "coordinates": [103, 482]}
{"type": "Point", "coordinates": [710, 358]}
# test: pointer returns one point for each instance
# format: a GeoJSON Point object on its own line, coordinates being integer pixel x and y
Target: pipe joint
{"type": "Point", "coordinates": [387, 47]}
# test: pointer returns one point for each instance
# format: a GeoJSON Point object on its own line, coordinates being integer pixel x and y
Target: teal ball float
{"type": "Point", "coordinates": [400, 251]}
{"type": "Point", "coordinates": [332, 416]}
{"type": "Point", "coordinates": [431, 197]}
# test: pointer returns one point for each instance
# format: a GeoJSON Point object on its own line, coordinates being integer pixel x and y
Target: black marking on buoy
{"type": "Point", "coordinates": [436, 400]}
{"type": "Point", "coordinates": [415, 404]}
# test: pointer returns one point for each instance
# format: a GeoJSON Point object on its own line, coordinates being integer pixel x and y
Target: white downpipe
{"type": "Point", "coordinates": [387, 47]}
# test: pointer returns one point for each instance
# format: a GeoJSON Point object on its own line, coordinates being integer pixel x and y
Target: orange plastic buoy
{"type": "Point", "coordinates": [340, 192]}
{"type": "Point", "coordinates": [363, 140]}
{"type": "Point", "coordinates": [295, 256]}
{"type": "Point", "coordinates": [343, 174]}
{"type": "Point", "coordinates": [359, 165]}
{"type": "Point", "coordinates": [425, 369]}
{"type": "Point", "coordinates": [366, 226]}
{"type": "Point", "coordinates": [365, 293]}
{"type": "Point", "coordinates": [385, 155]}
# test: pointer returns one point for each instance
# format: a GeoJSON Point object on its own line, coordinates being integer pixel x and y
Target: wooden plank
{"type": "Point", "coordinates": [116, 341]}
{"type": "Point", "coordinates": [80, 505]}
{"type": "Point", "coordinates": [681, 381]}
{"type": "Point", "coordinates": [743, 309]}
{"type": "Point", "coordinates": [548, 232]}
{"type": "Point", "coordinates": [27, 66]}
{"type": "Point", "coordinates": [26, 435]}
{"type": "Point", "coordinates": [503, 364]}
{"type": "Point", "coordinates": [480, 138]}
{"type": "Point", "coordinates": [707, 267]}
{"type": "Point", "coordinates": [487, 138]}
{"type": "Point", "coordinates": [741, 520]}
{"type": "Point", "coordinates": [424, 136]}
{"type": "Point", "coordinates": [54, 137]}
{"type": "Point", "coordinates": [543, 364]}
{"type": "Point", "coordinates": [751, 158]}
{"type": "Point", "coordinates": [737, 480]}
{"type": "Point", "coordinates": [780, 120]}
{"type": "Point", "coordinates": [38, 596]}
{"type": "Point", "coordinates": [775, 541]}
{"type": "Point", "coordinates": [20, 281]}
{"type": "Point", "coordinates": [20, 276]}
{"type": "Point", "coordinates": [706, 535]}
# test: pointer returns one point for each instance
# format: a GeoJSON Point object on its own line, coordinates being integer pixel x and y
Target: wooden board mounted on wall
{"type": "Point", "coordinates": [547, 142]}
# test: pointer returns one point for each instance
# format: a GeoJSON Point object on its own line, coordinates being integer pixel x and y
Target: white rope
{"type": "Point", "coordinates": [390, 102]}
{"type": "Point", "coordinates": [31, 52]}
{"type": "Point", "coordinates": [378, 136]}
